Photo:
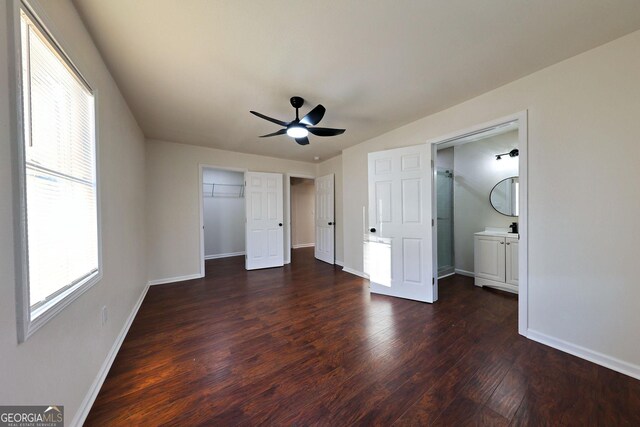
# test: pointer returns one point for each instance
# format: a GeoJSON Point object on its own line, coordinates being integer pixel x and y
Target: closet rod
{"type": "Point", "coordinates": [212, 193]}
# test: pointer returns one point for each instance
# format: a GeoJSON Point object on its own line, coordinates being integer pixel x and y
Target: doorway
{"type": "Point", "coordinates": [323, 217]}
{"type": "Point", "coordinates": [479, 198]}
{"type": "Point", "coordinates": [302, 214]}
{"type": "Point", "coordinates": [401, 238]}
{"type": "Point", "coordinates": [223, 213]}
{"type": "Point", "coordinates": [257, 206]}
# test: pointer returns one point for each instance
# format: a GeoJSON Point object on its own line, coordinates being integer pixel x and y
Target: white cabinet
{"type": "Point", "coordinates": [489, 257]}
{"type": "Point", "coordinates": [496, 260]}
{"type": "Point", "coordinates": [511, 261]}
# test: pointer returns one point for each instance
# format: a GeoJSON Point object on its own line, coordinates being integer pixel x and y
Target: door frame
{"type": "Point", "coordinates": [287, 211]}
{"type": "Point", "coordinates": [521, 119]}
{"type": "Point", "coordinates": [201, 168]}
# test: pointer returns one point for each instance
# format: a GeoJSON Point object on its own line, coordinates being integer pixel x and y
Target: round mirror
{"type": "Point", "coordinates": [504, 196]}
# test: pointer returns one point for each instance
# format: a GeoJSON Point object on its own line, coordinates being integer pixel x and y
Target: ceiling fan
{"type": "Point", "coordinates": [300, 128]}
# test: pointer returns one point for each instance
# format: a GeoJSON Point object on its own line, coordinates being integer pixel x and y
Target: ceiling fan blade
{"type": "Point", "coordinates": [271, 119]}
{"type": "Point", "coordinates": [314, 116]}
{"type": "Point", "coordinates": [303, 141]}
{"type": "Point", "coordinates": [280, 132]}
{"type": "Point", "coordinates": [325, 131]}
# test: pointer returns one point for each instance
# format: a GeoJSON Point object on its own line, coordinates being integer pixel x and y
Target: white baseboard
{"type": "Point", "coordinates": [355, 272]}
{"type": "Point", "coordinates": [338, 262]}
{"type": "Point", "coordinates": [303, 245]}
{"type": "Point", "coordinates": [87, 403]}
{"type": "Point", "coordinates": [444, 276]}
{"type": "Point", "coordinates": [175, 279]}
{"type": "Point", "coordinates": [584, 353]}
{"type": "Point", "coordinates": [227, 255]}
{"type": "Point", "coordinates": [464, 272]}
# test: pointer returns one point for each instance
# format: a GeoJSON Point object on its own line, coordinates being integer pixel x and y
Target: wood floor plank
{"type": "Point", "coordinates": [508, 396]}
{"type": "Point", "coordinates": [307, 344]}
{"type": "Point", "coordinates": [466, 412]}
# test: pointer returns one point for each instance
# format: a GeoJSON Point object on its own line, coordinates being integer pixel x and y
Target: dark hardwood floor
{"type": "Point", "coordinates": [307, 345]}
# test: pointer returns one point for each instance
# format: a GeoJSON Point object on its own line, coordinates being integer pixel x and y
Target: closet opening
{"type": "Point", "coordinates": [223, 217]}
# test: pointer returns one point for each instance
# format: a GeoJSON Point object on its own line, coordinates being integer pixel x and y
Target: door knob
{"type": "Point", "coordinates": [330, 223]}
{"type": "Point", "coordinates": [280, 224]}
{"type": "Point", "coordinates": [373, 230]}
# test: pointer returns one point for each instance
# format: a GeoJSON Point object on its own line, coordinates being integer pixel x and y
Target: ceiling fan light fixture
{"type": "Point", "coordinates": [297, 131]}
{"type": "Point", "coordinates": [300, 128]}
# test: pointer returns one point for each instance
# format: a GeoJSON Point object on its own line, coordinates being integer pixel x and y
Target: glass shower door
{"type": "Point", "coordinates": [444, 194]}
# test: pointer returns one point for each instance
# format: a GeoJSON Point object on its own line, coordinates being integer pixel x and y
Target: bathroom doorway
{"type": "Point", "coordinates": [479, 208]}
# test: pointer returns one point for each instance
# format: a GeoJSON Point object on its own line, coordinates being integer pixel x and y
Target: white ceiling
{"type": "Point", "coordinates": [192, 69]}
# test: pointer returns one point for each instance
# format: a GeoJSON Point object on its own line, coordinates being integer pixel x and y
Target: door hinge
{"type": "Point", "coordinates": [433, 280]}
{"type": "Point", "coordinates": [432, 222]}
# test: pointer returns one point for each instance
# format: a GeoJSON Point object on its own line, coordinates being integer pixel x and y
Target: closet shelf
{"type": "Point", "coordinates": [211, 189]}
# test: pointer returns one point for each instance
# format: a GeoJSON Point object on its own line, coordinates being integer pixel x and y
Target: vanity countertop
{"type": "Point", "coordinates": [496, 234]}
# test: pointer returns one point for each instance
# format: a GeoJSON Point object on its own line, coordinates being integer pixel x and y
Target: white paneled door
{"type": "Point", "coordinates": [325, 219]}
{"type": "Point", "coordinates": [264, 229]}
{"type": "Point", "coordinates": [398, 245]}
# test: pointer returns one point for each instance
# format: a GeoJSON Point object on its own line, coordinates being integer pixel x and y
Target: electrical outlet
{"type": "Point", "coordinates": [105, 315]}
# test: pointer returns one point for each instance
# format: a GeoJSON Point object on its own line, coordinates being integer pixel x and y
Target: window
{"type": "Point", "coordinates": [59, 160]}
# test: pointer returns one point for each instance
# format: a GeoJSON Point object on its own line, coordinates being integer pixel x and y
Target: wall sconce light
{"type": "Point", "coordinates": [512, 153]}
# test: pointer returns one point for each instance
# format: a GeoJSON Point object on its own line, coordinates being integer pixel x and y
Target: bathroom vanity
{"type": "Point", "coordinates": [496, 259]}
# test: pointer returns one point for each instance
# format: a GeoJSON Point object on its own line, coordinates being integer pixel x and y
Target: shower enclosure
{"type": "Point", "coordinates": [444, 194]}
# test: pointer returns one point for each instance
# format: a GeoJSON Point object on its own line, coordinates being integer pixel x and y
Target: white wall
{"type": "Point", "coordinates": [445, 158]}
{"type": "Point", "coordinates": [302, 212]}
{"type": "Point", "coordinates": [61, 360]}
{"type": "Point", "coordinates": [223, 217]}
{"type": "Point", "coordinates": [334, 166]}
{"type": "Point", "coordinates": [173, 183]}
{"type": "Point", "coordinates": [583, 143]}
{"type": "Point", "coordinates": [476, 171]}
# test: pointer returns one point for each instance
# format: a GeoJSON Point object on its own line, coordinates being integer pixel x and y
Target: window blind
{"type": "Point", "coordinates": [60, 171]}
